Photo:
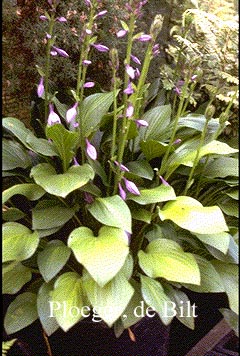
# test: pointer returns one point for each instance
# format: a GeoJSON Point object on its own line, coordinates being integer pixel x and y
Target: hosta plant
{"type": "Point", "coordinates": [104, 202]}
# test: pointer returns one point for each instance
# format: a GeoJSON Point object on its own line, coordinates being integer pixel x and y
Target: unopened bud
{"type": "Point", "coordinates": [210, 112]}
{"type": "Point", "coordinates": [156, 26]}
{"type": "Point", "coordinates": [114, 57]}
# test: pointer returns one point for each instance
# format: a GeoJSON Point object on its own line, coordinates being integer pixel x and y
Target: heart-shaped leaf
{"type": "Point", "coordinates": [102, 256]}
{"type": "Point", "coordinates": [112, 211]}
{"type": "Point", "coordinates": [61, 184]}
{"type": "Point", "coordinates": [165, 258]}
{"type": "Point", "coordinates": [19, 243]}
{"type": "Point", "coordinates": [111, 300]}
{"type": "Point", "coordinates": [21, 312]}
{"type": "Point", "coordinates": [67, 300]}
{"type": "Point", "coordinates": [52, 259]}
{"type": "Point", "coordinates": [219, 241]}
{"type": "Point", "coordinates": [48, 321]}
{"type": "Point", "coordinates": [14, 276]}
{"type": "Point", "coordinates": [30, 191]}
{"type": "Point", "coordinates": [189, 214]}
{"type": "Point", "coordinates": [14, 156]}
{"type": "Point", "coordinates": [154, 195]}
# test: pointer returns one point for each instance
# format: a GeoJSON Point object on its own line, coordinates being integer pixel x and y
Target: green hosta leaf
{"type": "Point", "coordinates": [14, 276]}
{"type": "Point", "coordinates": [222, 167]}
{"type": "Point", "coordinates": [220, 241]}
{"type": "Point", "coordinates": [154, 195]}
{"type": "Point", "coordinates": [52, 259]}
{"type": "Point", "coordinates": [229, 275]}
{"type": "Point", "coordinates": [65, 298]}
{"type": "Point", "coordinates": [210, 279]}
{"type": "Point", "coordinates": [14, 156]}
{"type": "Point", "coordinates": [19, 243]}
{"type": "Point", "coordinates": [111, 300]}
{"type": "Point", "coordinates": [49, 324]}
{"type": "Point", "coordinates": [102, 256]}
{"type": "Point", "coordinates": [165, 258]}
{"type": "Point", "coordinates": [48, 216]}
{"type": "Point", "coordinates": [213, 147]}
{"type": "Point", "coordinates": [234, 194]}
{"type": "Point", "coordinates": [61, 184]}
{"type": "Point", "coordinates": [141, 169]}
{"type": "Point", "coordinates": [112, 211]}
{"type": "Point", "coordinates": [12, 214]}
{"type": "Point", "coordinates": [152, 149]}
{"type": "Point", "coordinates": [197, 122]}
{"type": "Point", "coordinates": [38, 145]}
{"type": "Point", "coordinates": [154, 295]}
{"type": "Point", "coordinates": [65, 142]}
{"type": "Point", "coordinates": [30, 191]}
{"type": "Point", "coordinates": [189, 214]}
{"type": "Point", "coordinates": [142, 215]}
{"type": "Point", "coordinates": [158, 120]}
{"type": "Point", "coordinates": [21, 313]}
{"type": "Point", "coordinates": [91, 111]}
{"type": "Point", "coordinates": [127, 268]}
{"type": "Point", "coordinates": [136, 308]}
{"type": "Point", "coordinates": [230, 207]}
{"type": "Point", "coordinates": [232, 253]}
{"type": "Point", "coordinates": [182, 305]}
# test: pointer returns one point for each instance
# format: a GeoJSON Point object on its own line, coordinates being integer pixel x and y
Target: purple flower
{"type": "Point", "coordinates": [101, 48]}
{"type": "Point", "coordinates": [194, 77]}
{"type": "Point", "coordinates": [53, 118]}
{"type": "Point", "coordinates": [131, 187]}
{"type": "Point", "coordinates": [48, 36]}
{"type": "Point", "coordinates": [144, 38]}
{"type": "Point", "coordinates": [164, 181]}
{"type": "Point", "coordinates": [122, 192]}
{"type": "Point", "coordinates": [72, 113]}
{"type": "Point", "coordinates": [88, 2]}
{"type": "Point", "coordinates": [89, 85]}
{"type": "Point", "coordinates": [142, 123]}
{"type": "Point", "coordinates": [156, 50]}
{"type": "Point", "coordinates": [88, 31]}
{"type": "Point", "coordinates": [101, 13]}
{"type": "Point", "coordinates": [40, 88]}
{"type": "Point", "coordinates": [75, 162]}
{"type": "Point", "coordinates": [122, 167]}
{"type": "Point", "coordinates": [61, 19]}
{"type": "Point", "coordinates": [91, 150]}
{"type": "Point", "coordinates": [177, 91]}
{"type": "Point", "coordinates": [88, 198]}
{"type": "Point", "coordinates": [53, 53]}
{"type": "Point", "coordinates": [177, 141]}
{"type": "Point", "coordinates": [135, 59]}
{"type": "Point", "coordinates": [130, 71]}
{"type": "Point", "coordinates": [121, 33]}
{"type": "Point", "coordinates": [137, 73]}
{"type": "Point", "coordinates": [129, 89]}
{"type": "Point", "coordinates": [130, 110]}
{"type": "Point", "coordinates": [43, 18]}
{"type": "Point", "coordinates": [86, 62]}
{"type": "Point", "coordinates": [60, 51]}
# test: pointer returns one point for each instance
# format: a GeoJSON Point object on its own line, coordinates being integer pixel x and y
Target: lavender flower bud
{"type": "Point", "coordinates": [91, 150]}
{"type": "Point", "coordinates": [40, 88]}
{"type": "Point", "coordinates": [88, 198]}
{"type": "Point", "coordinates": [130, 71]}
{"type": "Point", "coordinates": [75, 162]}
{"type": "Point", "coordinates": [71, 113]}
{"type": "Point", "coordinates": [60, 51]}
{"type": "Point", "coordinates": [129, 90]}
{"type": "Point", "coordinates": [122, 192]}
{"type": "Point", "coordinates": [121, 33]}
{"type": "Point", "coordinates": [43, 18]}
{"type": "Point", "coordinates": [194, 77]}
{"type": "Point", "coordinates": [122, 167]}
{"type": "Point", "coordinates": [86, 62]}
{"type": "Point", "coordinates": [53, 118]}
{"type": "Point", "coordinates": [130, 110]}
{"type": "Point", "coordinates": [53, 53]}
{"type": "Point", "coordinates": [101, 13]}
{"type": "Point", "coordinates": [89, 85]}
{"type": "Point", "coordinates": [88, 2]}
{"type": "Point", "coordinates": [100, 47]}
{"type": "Point", "coordinates": [177, 91]}
{"type": "Point", "coordinates": [137, 73]}
{"type": "Point", "coordinates": [131, 187]}
{"type": "Point", "coordinates": [88, 31]}
{"type": "Point", "coordinates": [61, 19]}
{"type": "Point", "coordinates": [155, 50]}
{"type": "Point", "coordinates": [177, 141]}
{"type": "Point", "coordinates": [141, 123]}
{"type": "Point", "coordinates": [144, 38]}
{"type": "Point", "coordinates": [164, 182]}
{"type": "Point", "coordinates": [135, 59]}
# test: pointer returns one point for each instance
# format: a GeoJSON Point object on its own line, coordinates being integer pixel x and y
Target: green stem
{"type": "Point", "coordinates": [47, 65]}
